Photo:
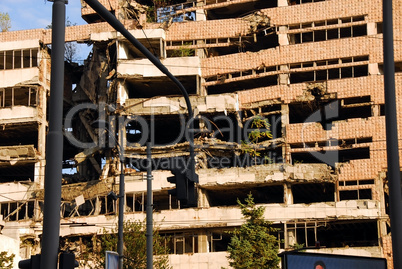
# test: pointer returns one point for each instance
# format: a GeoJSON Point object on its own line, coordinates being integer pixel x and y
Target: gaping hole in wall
{"type": "Point", "coordinates": [246, 157]}
{"type": "Point", "coordinates": [25, 134]}
{"type": "Point", "coordinates": [17, 172]}
{"type": "Point", "coordinates": [220, 126]}
{"type": "Point", "coordinates": [159, 86]}
{"type": "Point", "coordinates": [303, 112]}
{"type": "Point", "coordinates": [264, 41]}
{"type": "Point", "coordinates": [227, 196]}
{"type": "Point", "coordinates": [308, 193]}
{"type": "Point", "coordinates": [160, 130]}
{"type": "Point", "coordinates": [353, 234]}
{"type": "Point", "coordinates": [131, 52]}
{"type": "Point", "coordinates": [239, 10]}
{"type": "Point", "coordinates": [243, 85]}
{"type": "Point", "coordinates": [87, 208]}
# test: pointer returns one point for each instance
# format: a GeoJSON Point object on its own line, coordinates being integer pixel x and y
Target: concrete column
{"type": "Point", "coordinates": [290, 238]}
{"type": "Point", "coordinates": [202, 199]}
{"type": "Point", "coordinates": [285, 121]}
{"type": "Point", "coordinates": [373, 69]}
{"type": "Point", "coordinates": [39, 173]}
{"type": "Point", "coordinates": [372, 28]}
{"type": "Point", "coordinates": [283, 3]}
{"type": "Point", "coordinates": [283, 38]}
{"type": "Point", "coordinates": [288, 196]}
{"type": "Point", "coordinates": [284, 78]}
{"type": "Point", "coordinates": [203, 245]}
{"type": "Point", "coordinates": [375, 110]}
{"type": "Point", "coordinates": [200, 14]}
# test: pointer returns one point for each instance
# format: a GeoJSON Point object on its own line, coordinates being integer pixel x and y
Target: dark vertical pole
{"type": "Point", "coordinates": [394, 178]}
{"type": "Point", "coordinates": [54, 144]}
{"type": "Point", "coordinates": [149, 209]}
{"type": "Point", "coordinates": [120, 241]}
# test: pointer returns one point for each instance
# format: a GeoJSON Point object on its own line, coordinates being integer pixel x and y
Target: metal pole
{"type": "Point", "coordinates": [118, 26]}
{"type": "Point", "coordinates": [54, 145]}
{"type": "Point", "coordinates": [120, 241]}
{"type": "Point", "coordinates": [394, 178]}
{"type": "Point", "coordinates": [149, 224]}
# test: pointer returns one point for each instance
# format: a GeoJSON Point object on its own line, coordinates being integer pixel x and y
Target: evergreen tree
{"type": "Point", "coordinates": [253, 245]}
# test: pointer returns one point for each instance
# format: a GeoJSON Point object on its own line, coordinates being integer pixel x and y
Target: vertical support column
{"type": "Point", "coordinates": [284, 78]}
{"type": "Point", "coordinates": [283, 3]}
{"type": "Point", "coordinates": [290, 237]}
{"type": "Point", "coordinates": [283, 38]}
{"type": "Point", "coordinates": [288, 196]}
{"type": "Point", "coordinates": [203, 242]}
{"type": "Point", "coordinates": [200, 16]}
{"type": "Point", "coordinates": [39, 175]}
{"type": "Point", "coordinates": [285, 122]}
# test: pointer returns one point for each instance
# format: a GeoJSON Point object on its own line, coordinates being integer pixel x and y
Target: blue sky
{"type": "Point", "coordinates": [32, 14]}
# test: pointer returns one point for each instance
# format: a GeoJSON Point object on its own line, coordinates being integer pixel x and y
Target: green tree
{"type": "Point", "coordinates": [260, 132]}
{"type": "Point", "coordinates": [253, 245]}
{"type": "Point", "coordinates": [6, 261]}
{"type": "Point", "coordinates": [5, 22]}
{"type": "Point", "coordinates": [134, 248]}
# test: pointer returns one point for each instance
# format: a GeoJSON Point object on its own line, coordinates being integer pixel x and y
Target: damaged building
{"type": "Point", "coordinates": [311, 71]}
